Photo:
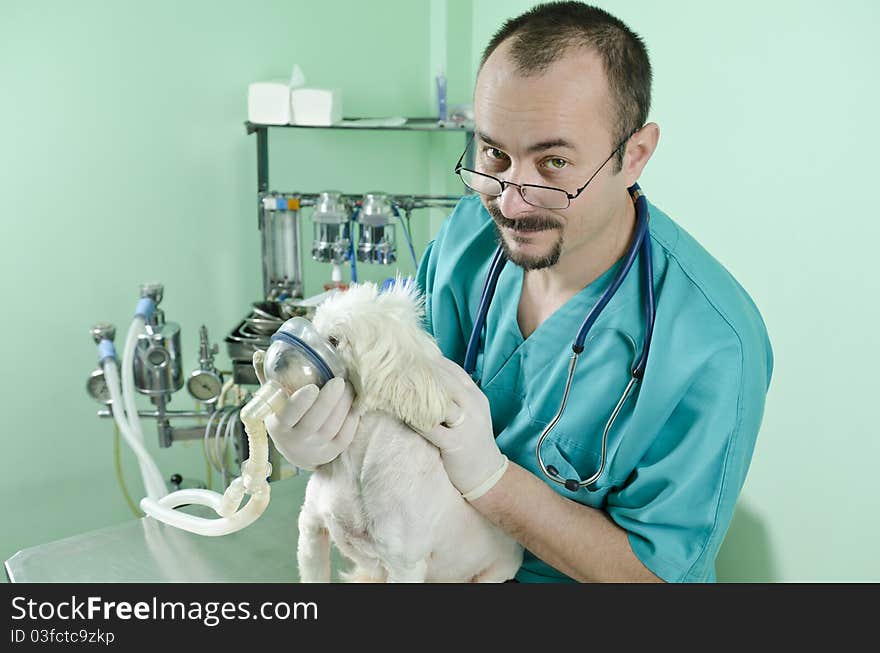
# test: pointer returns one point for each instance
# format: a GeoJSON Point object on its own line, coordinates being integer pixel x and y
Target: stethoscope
{"type": "Point", "coordinates": [641, 243]}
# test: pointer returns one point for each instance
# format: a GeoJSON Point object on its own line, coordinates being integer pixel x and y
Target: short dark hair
{"type": "Point", "coordinates": [548, 31]}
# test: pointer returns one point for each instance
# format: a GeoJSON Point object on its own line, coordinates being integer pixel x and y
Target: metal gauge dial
{"type": "Point", "coordinates": [205, 386]}
{"type": "Point", "coordinates": [97, 388]}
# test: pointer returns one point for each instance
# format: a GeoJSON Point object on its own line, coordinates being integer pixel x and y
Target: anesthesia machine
{"type": "Point", "coordinates": [348, 229]}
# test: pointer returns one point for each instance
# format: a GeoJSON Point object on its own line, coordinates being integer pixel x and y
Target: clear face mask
{"type": "Point", "coordinates": [299, 356]}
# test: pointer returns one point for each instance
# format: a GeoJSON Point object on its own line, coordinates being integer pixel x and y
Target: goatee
{"type": "Point", "coordinates": [530, 224]}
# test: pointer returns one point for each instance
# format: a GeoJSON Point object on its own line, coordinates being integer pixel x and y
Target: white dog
{"type": "Point", "coordinates": [386, 502]}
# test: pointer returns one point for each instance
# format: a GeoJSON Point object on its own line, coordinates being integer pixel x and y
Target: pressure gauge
{"type": "Point", "coordinates": [97, 388]}
{"type": "Point", "coordinates": [205, 386]}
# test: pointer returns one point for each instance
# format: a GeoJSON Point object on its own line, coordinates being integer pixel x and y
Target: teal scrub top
{"type": "Point", "coordinates": [680, 449]}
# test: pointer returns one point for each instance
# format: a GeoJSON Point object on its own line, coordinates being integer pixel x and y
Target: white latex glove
{"type": "Point", "coordinates": [315, 426]}
{"type": "Point", "coordinates": [473, 461]}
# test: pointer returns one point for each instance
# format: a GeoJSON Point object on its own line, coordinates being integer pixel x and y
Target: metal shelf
{"type": "Point", "coordinates": [411, 124]}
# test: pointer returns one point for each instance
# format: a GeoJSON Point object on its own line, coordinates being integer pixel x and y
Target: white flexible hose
{"type": "Point", "coordinates": [226, 386]}
{"type": "Point", "coordinates": [152, 477]}
{"type": "Point", "coordinates": [154, 489]}
{"type": "Point", "coordinates": [220, 456]}
{"type": "Point", "coordinates": [206, 441]}
{"type": "Point", "coordinates": [270, 398]}
{"type": "Point", "coordinates": [164, 511]}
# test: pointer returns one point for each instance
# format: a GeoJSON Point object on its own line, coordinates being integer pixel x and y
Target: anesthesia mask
{"type": "Point", "coordinates": [296, 357]}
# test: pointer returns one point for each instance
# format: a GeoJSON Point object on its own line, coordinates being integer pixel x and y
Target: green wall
{"type": "Point", "coordinates": [767, 147]}
{"type": "Point", "coordinates": [124, 160]}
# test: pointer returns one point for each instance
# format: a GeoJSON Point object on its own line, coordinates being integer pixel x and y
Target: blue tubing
{"type": "Point", "coordinates": [352, 257]}
{"type": "Point", "coordinates": [145, 308]}
{"type": "Point", "coordinates": [408, 236]}
{"type": "Point", "coordinates": [470, 356]}
{"type": "Point", "coordinates": [632, 253]}
{"type": "Point", "coordinates": [106, 350]}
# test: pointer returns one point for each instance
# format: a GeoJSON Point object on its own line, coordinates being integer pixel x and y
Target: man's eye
{"type": "Point", "coordinates": [557, 164]}
{"type": "Point", "coordinates": [494, 153]}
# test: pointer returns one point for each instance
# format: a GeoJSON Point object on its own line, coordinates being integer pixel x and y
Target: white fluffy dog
{"type": "Point", "coordinates": [386, 502]}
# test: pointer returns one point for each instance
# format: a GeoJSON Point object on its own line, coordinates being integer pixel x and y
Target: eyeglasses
{"type": "Point", "coordinates": [544, 197]}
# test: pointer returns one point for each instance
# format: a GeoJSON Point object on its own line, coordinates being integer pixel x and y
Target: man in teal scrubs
{"type": "Point", "coordinates": [561, 102]}
{"type": "Point", "coordinates": [560, 88]}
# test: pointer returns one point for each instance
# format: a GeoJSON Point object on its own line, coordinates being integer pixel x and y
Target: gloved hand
{"type": "Point", "coordinates": [315, 426]}
{"type": "Point", "coordinates": [473, 461]}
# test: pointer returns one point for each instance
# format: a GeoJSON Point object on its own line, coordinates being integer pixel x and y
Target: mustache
{"type": "Point", "coordinates": [529, 223]}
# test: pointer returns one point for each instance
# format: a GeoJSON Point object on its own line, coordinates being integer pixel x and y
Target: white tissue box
{"type": "Point", "coordinates": [269, 103]}
{"type": "Point", "coordinates": [318, 107]}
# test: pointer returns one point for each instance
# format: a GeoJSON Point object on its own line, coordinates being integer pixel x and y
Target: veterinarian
{"type": "Point", "coordinates": [638, 476]}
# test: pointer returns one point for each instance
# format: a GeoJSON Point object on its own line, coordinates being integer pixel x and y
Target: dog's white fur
{"type": "Point", "coordinates": [386, 502]}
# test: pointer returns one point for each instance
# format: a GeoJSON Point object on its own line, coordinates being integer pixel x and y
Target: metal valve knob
{"type": "Point", "coordinates": [153, 290]}
{"type": "Point", "coordinates": [103, 331]}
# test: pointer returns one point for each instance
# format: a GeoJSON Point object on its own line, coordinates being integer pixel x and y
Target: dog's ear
{"type": "Point", "coordinates": [395, 359]}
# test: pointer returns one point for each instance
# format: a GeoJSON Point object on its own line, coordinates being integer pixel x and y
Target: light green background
{"type": "Point", "coordinates": [123, 159]}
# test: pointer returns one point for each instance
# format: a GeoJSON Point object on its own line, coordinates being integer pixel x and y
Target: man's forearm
{"type": "Point", "coordinates": [581, 542]}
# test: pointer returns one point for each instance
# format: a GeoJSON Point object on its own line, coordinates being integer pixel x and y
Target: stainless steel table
{"type": "Point", "coordinates": [145, 550]}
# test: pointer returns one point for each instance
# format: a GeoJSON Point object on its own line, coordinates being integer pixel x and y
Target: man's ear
{"type": "Point", "coordinates": [639, 149]}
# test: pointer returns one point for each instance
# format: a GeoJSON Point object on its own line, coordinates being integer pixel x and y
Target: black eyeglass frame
{"type": "Point", "coordinates": [520, 187]}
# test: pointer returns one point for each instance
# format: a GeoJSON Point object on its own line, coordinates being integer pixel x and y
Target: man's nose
{"type": "Point", "coordinates": [512, 203]}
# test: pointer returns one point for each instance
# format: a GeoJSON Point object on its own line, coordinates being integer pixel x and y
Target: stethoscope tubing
{"type": "Point", "coordinates": [641, 244]}
{"type": "Point", "coordinates": [495, 267]}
